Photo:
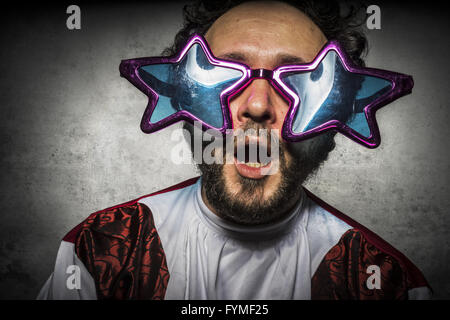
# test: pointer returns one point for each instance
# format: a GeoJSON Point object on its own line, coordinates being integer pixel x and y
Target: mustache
{"type": "Point", "coordinates": [253, 133]}
{"type": "Point", "coordinates": [251, 142]}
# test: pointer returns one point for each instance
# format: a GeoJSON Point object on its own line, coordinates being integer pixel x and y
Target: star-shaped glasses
{"type": "Point", "coordinates": [330, 93]}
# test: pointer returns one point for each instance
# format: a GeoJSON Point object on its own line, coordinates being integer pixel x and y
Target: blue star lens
{"type": "Point", "coordinates": [193, 85]}
{"type": "Point", "coordinates": [330, 92]}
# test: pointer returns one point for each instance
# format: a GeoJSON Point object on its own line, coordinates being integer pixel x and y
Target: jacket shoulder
{"type": "Point", "coordinates": [111, 219]}
{"type": "Point", "coordinates": [122, 251]}
{"type": "Point", "coordinates": [352, 267]}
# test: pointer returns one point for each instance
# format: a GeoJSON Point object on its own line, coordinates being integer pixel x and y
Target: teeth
{"type": "Point", "coordinates": [254, 164]}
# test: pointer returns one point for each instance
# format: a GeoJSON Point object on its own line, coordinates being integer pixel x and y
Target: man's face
{"type": "Point", "coordinates": [261, 35]}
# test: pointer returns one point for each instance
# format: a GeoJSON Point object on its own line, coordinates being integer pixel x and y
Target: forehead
{"type": "Point", "coordinates": [263, 31]}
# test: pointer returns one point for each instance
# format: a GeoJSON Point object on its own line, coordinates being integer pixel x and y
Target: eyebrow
{"type": "Point", "coordinates": [290, 59]}
{"type": "Point", "coordinates": [233, 56]}
{"type": "Point", "coordinates": [281, 59]}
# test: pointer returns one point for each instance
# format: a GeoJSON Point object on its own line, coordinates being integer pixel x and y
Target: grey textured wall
{"type": "Point", "coordinates": [70, 142]}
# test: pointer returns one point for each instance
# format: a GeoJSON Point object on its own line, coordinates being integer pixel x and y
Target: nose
{"type": "Point", "coordinates": [257, 103]}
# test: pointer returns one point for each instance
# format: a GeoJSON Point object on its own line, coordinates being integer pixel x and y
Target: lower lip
{"type": "Point", "coordinates": [251, 172]}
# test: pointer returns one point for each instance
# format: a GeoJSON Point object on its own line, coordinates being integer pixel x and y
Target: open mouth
{"type": "Point", "coordinates": [250, 160]}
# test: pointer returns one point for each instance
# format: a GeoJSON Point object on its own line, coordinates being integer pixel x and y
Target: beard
{"type": "Point", "coordinates": [251, 205]}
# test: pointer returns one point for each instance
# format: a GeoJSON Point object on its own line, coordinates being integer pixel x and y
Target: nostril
{"type": "Point", "coordinates": [257, 117]}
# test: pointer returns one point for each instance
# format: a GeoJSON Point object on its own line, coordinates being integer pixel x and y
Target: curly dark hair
{"type": "Point", "coordinates": [338, 21]}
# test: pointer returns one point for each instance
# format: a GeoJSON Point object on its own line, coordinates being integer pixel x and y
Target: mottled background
{"type": "Point", "coordinates": [70, 141]}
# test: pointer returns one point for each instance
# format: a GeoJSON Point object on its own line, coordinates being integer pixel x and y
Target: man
{"type": "Point", "coordinates": [234, 233]}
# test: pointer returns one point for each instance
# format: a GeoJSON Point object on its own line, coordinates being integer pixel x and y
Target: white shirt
{"type": "Point", "coordinates": [211, 258]}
